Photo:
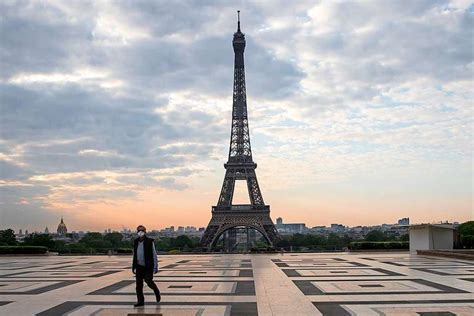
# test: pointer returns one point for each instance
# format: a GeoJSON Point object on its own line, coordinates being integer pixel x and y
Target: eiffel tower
{"type": "Point", "coordinates": [240, 166]}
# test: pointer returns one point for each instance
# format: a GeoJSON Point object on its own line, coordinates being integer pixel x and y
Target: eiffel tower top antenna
{"type": "Point", "coordinates": [238, 20]}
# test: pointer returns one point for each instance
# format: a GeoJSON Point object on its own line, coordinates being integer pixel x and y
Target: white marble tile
{"type": "Point", "coordinates": [276, 293]}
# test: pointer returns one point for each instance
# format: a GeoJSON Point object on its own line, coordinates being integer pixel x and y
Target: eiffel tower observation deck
{"type": "Point", "coordinates": [229, 219]}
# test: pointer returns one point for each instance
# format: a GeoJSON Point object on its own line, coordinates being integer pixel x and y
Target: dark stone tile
{"type": "Point", "coordinates": [291, 273]}
{"type": "Point", "coordinates": [236, 308]}
{"type": "Point", "coordinates": [246, 273]}
{"type": "Point", "coordinates": [432, 271]}
{"type": "Point", "coordinates": [294, 273]}
{"type": "Point", "coordinates": [431, 302]}
{"type": "Point", "coordinates": [436, 314]}
{"type": "Point", "coordinates": [21, 275]}
{"type": "Point", "coordinates": [335, 308]}
{"type": "Point", "coordinates": [47, 288]}
{"type": "Point", "coordinates": [308, 288]}
{"type": "Point", "coordinates": [245, 288]}
{"type": "Point", "coordinates": [332, 310]}
{"type": "Point", "coordinates": [170, 266]}
{"type": "Point", "coordinates": [242, 288]}
{"type": "Point", "coordinates": [339, 259]}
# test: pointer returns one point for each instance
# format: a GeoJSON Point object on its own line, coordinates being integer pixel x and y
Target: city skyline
{"type": "Point", "coordinates": [398, 221]}
{"type": "Point", "coordinates": [118, 113]}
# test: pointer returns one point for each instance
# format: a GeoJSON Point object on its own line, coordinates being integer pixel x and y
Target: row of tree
{"type": "Point", "coordinates": [113, 241]}
{"type": "Point", "coordinates": [97, 242]}
{"type": "Point", "coordinates": [332, 241]}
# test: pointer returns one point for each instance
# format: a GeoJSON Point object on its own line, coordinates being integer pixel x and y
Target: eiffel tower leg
{"type": "Point", "coordinates": [209, 234]}
{"type": "Point", "coordinates": [227, 191]}
{"type": "Point", "coordinates": [248, 239]}
{"type": "Point", "coordinates": [254, 190]}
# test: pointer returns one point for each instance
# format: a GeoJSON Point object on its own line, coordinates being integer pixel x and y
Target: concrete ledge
{"type": "Point", "coordinates": [379, 250]}
{"type": "Point", "coordinates": [466, 254]}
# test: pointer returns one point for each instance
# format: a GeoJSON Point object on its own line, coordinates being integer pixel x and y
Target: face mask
{"type": "Point", "coordinates": [141, 233]}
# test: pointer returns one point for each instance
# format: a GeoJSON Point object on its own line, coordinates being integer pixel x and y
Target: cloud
{"type": "Point", "coordinates": [103, 100]}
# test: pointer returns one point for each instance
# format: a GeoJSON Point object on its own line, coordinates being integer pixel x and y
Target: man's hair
{"type": "Point", "coordinates": [141, 226]}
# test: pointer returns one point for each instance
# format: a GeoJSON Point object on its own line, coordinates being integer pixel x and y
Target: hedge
{"type": "Point", "coordinates": [375, 245]}
{"type": "Point", "coordinates": [92, 251]}
{"type": "Point", "coordinates": [125, 250]}
{"type": "Point", "coordinates": [23, 250]}
{"type": "Point", "coordinates": [74, 250]}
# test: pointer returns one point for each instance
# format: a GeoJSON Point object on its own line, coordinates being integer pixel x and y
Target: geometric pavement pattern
{"type": "Point", "coordinates": [241, 284]}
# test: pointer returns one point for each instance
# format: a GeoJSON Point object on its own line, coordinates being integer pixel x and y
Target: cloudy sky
{"type": "Point", "coordinates": [115, 113]}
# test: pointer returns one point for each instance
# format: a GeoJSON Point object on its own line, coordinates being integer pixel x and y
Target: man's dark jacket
{"type": "Point", "coordinates": [148, 251]}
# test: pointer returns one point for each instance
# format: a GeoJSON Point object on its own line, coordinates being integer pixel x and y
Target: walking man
{"type": "Point", "coordinates": [145, 264]}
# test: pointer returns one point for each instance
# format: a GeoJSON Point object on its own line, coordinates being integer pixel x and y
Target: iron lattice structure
{"type": "Point", "coordinates": [240, 166]}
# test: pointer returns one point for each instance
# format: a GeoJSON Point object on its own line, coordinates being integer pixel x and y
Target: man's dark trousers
{"type": "Point", "coordinates": [144, 274]}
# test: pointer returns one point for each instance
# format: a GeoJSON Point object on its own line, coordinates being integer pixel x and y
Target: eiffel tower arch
{"type": "Point", "coordinates": [240, 166]}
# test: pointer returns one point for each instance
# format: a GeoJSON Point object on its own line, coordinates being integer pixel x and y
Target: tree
{"type": "Point", "coordinates": [99, 244]}
{"type": "Point", "coordinates": [7, 237]}
{"type": "Point", "coordinates": [59, 244]}
{"type": "Point", "coordinates": [466, 228]}
{"type": "Point", "coordinates": [335, 240]}
{"type": "Point", "coordinates": [36, 239]}
{"type": "Point", "coordinates": [297, 240]}
{"type": "Point", "coordinates": [91, 238]}
{"type": "Point", "coordinates": [375, 235]}
{"type": "Point", "coordinates": [282, 243]}
{"type": "Point", "coordinates": [115, 239]}
{"type": "Point", "coordinates": [466, 232]}
{"type": "Point", "coordinates": [405, 237]}
{"type": "Point", "coordinates": [162, 244]}
{"type": "Point", "coordinates": [183, 241]}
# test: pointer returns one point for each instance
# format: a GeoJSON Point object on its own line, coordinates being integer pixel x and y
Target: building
{"type": "Point", "coordinates": [46, 230]}
{"type": "Point", "coordinates": [404, 221]}
{"type": "Point", "coordinates": [291, 228]}
{"type": "Point", "coordinates": [337, 228]}
{"type": "Point", "coordinates": [190, 229]}
{"type": "Point", "coordinates": [62, 229]}
{"type": "Point", "coordinates": [431, 237]}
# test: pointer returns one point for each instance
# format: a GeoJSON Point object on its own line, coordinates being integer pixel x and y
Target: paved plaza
{"type": "Point", "coordinates": [289, 284]}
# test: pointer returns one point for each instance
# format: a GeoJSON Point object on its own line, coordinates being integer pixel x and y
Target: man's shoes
{"type": "Point", "coordinates": [139, 304]}
{"type": "Point", "coordinates": [158, 297]}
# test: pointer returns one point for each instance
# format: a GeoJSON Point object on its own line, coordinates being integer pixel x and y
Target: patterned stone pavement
{"type": "Point", "coordinates": [276, 284]}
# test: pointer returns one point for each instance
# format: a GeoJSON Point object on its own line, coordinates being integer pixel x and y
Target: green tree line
{"type": "Point", "coordinates": [94, 242]}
